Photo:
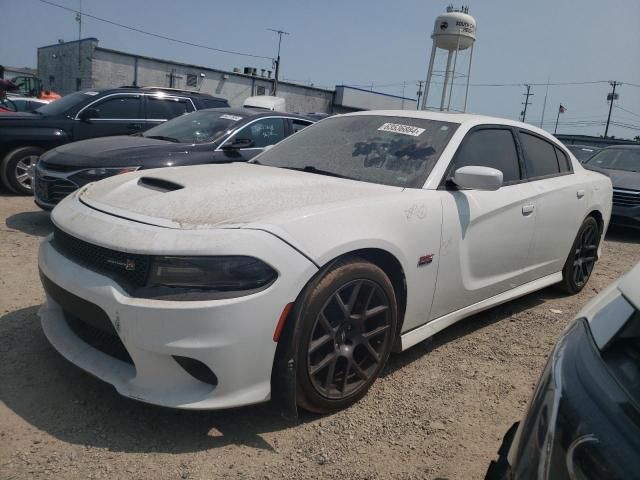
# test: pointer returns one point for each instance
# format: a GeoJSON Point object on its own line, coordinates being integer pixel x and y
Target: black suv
{"type": "Point", "coordinates": [87, 114]}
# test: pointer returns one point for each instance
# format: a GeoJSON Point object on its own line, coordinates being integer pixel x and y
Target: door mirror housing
{"type": "Point", "coordinates": [88, 114]}
{"type": "Point", "coordinates": [238, 143]}
{"type": "Point", "coordinates": [478, 178]}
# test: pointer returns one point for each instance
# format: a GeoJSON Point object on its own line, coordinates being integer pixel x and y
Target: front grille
{"type": "Point", "coordinates": [129, 269]}
{"type": "Point", "coordinates": [88, 321]}
{"type": "Point", "coordinates": [626, 198]}
{"type": "Point", "coordinates": [52, 190]}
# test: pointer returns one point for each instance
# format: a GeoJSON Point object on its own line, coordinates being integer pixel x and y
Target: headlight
{"type": "Point", "coordinates": [206, 277]}
{"type": "Point", "coordinates": [95, 174]}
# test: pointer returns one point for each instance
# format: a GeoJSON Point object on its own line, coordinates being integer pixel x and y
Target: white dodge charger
{"type": "Point", "coordinates": [295, 276]}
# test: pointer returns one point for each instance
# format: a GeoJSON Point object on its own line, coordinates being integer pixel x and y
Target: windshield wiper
{"type": "Point", "coordinates": [312, 169]}
{"type": "Point", "coordinates": [162, 137]}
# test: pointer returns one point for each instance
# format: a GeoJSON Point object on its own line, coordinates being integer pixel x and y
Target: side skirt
{"type": "Point", "coordinates": [429, 329]}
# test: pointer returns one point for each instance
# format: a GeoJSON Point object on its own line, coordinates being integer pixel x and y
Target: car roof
{"type": "Point", "coordinates": [583, 146]}
{"type": "Point", "coordinates": [169, 91]}
{"type": "Point", "coordinates": [470, 119]}
{"type": "Point", "coordinates": [622, 147]}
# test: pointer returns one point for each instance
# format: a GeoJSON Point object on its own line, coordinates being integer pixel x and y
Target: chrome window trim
{"type": "Point", "coordinates": [130, 94]}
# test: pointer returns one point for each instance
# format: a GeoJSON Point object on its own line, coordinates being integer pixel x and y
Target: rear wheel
{"type": "Point", "coordinates": [18, 168]}
{"type": "Point", "coordinates": [348, 323]}
{"type": "Point", "coordinates": [582, 258]}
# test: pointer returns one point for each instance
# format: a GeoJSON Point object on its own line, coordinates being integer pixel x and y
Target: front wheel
{"type": "Point", "coordinates": [582, 258]}
{"type": "Point", "coordinates": [347, 326]}
{"type": "Point", "coordinates": [18, 168]}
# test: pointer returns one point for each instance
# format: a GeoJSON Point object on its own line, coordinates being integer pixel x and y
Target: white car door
{"type": "Point", "coordinates": [559, 203]}
{"type": "Point", "coordinates": [486, 235]}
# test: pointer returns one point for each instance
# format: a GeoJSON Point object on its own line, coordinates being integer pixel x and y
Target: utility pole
{"type": "Point", "coordinates": [419, 93]}
{"type": "Point", "coordinates": [526, 101]}
{"type": "Point", "coordinates": [611, 97]}
{"type": "Point", "coordinates": [277, 60]}
{"type": "Point", "coordinates": [79, 20]}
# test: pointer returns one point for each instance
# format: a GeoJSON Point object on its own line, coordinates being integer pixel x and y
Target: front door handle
{"type": "Point", "coordinates": [528, 209]}
{"type": "Point", "coordinates": [580, 193]}
{"type": "Point", "coordinates": [134, 126]}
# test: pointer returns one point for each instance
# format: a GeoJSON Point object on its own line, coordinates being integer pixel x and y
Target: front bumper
{"type": "Point", "coordinates": [627, 216]}
{"type": "Point", "coordinates": [232, 337]}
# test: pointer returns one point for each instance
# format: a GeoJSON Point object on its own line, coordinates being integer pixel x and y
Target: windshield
{"type": "Point", "coordinates": [617, 159]}
{"type": "Point", "coordinates": [582, 153]}
{"type": "Point", "coordinates": [60, 106]}
{"type": "Point", "coordinates": [397, 151]}
{"type": "Point", "coordinates": [197, 127]}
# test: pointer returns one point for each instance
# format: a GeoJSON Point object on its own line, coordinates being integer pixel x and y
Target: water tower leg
{"type": "Point", "coordinates": [453, 75]}
{"type": "Point", "coordinates": [446, 81]}
{"type": "Point", "coordinates": [466, 93]}
{"type": "Point", "coordinates": [427, 82]}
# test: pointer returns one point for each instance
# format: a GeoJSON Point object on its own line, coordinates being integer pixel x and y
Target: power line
{"type": "Point", "coordinates": [164, 37]}
{"type": "Point", "coordinates": [625, 110]}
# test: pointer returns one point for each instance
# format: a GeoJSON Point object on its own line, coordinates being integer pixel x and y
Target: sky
{"type": "Point", "coordinates": [380, 45]}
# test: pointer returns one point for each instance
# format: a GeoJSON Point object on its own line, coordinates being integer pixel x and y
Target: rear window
{"type": "Point", "coordinates": [539, 156]}
{"type": "Point", "coordinates": [166, 108]}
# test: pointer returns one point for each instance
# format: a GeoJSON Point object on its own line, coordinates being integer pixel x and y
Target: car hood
{"type": "Point", "coordinates": [624, 179]}
{"type": "Point", "coordinates": [228, 195]}
{"type": "Point", "coordinates": [115, 151]}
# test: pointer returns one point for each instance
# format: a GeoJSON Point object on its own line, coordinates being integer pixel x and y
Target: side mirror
{"type": "Point", "coordinates": [238, 143]}
{"type": "Point", "coordinates": [478, 178]}
{"type": "Point", "coordinates": [88, 114]}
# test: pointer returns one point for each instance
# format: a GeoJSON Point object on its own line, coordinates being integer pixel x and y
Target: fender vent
{"type": "Point", "coordinates": [159, 184]}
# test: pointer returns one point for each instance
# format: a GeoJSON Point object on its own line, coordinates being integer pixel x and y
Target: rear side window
{"type": "Point", "coordinates": [211, 103]}
{"type": "Point", "coordinates": [490, 147]}
{"type": "Point", "coordinates": [563, 161]}
{"type": "Point", "coordinates": [299, 125]}
{"type": "Point", "coordinates": [167, 108]}
{"type": "Point", "coordinates": [539, 156]}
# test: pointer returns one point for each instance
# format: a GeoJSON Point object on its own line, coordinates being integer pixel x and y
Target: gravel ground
{"type": "Point", "coordinates": [438, 411]}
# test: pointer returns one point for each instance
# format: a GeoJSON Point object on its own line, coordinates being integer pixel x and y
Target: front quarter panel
{"type": "Point", "coordinates": [405, 224]}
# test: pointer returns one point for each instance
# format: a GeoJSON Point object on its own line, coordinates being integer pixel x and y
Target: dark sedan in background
{"type": "Point", "coordinates": [583, 152]}
{"type": "Point", "coordinates": [218, 135]}
{"type": "Point", "coordinates": [622, 164]}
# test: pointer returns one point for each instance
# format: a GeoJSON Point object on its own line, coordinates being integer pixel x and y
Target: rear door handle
{"type": "Point", "coordinates": [528, 209]}
{"type": "Point", "coordinates": [580, 193]}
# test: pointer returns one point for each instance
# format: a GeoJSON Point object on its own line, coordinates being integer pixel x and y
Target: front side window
{"type": "Point", "coordinates": [389, 150]}
{"type": "Point", "coordinates": [539, 156]}
{"type": "Point", "coordinates": [167, 108]}
{"type": "Point", "coordinates": [262, 133]}
{"type": "Point", "coordinates": [119, 108]}
{"type": "Point", "coordinates": [490, 147]}
{"type": "Point", "coordinates": [299, 125]}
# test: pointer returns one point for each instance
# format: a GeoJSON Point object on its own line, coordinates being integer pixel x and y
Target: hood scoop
{"type": "Point", "coordinates": [159, 184]}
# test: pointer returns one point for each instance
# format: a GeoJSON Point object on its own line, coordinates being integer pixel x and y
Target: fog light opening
{"type": "Point", "coordinates": [197, 370]}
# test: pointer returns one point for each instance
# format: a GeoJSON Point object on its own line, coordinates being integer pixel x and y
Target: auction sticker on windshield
{"type": "Point", "coordinates": [235, 118]}
{"type": "Point", "coordinates": [403, 129]}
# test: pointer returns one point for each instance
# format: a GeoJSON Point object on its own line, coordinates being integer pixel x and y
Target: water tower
{"type": "Point", "coordinates": [453, 31]}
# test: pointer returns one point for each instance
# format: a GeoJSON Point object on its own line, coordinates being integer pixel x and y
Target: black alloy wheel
{"type": "Point", "coordinates": [582, 258]}
{"type": "Point", "coordinates": [347, 333]}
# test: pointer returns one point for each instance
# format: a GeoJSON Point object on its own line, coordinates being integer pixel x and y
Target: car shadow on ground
{"type": "Point", "coordinates": [60, 399]}
{"type": "Point", "coordinates": [469, 325]}
{"type": "Point", "coordinates": [32, 223]}
{"type": "Point", "coordinates": [622, 234]}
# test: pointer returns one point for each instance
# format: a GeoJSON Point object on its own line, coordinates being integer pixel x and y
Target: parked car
{"type": "Point", "coordinates": [208, 136]}
{"type": "Point", "coordinates": [15, 103]}
{"type": "Point", "coordinates": [583, 420]}
{"type": "Point", "coordinates": [295, 275]}
{"type": "Point", "coordinates": [583, 152]}
{"type": "Point", "coordinates": [622, 164]}
{"type": "Point", "coordinates": [86, 114]}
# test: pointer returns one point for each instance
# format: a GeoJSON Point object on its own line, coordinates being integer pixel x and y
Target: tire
{"type": "Point", "coordinates": [582, 258]}
{"type": "Point", "coordinates": [346, 327]}
{"type": "Point", "coordinates": [17, 169]}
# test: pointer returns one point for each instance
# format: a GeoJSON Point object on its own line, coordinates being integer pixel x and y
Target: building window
{"type": "Point", "coordinates": [192, 80]}
{"type": "Point", "coordinates": [261, 90]}
{"type": "Point", "coordinates": [78, 83]}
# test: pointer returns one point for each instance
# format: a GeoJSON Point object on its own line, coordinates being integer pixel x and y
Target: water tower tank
{"type": "Point", "coordinates": [454, 30]}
